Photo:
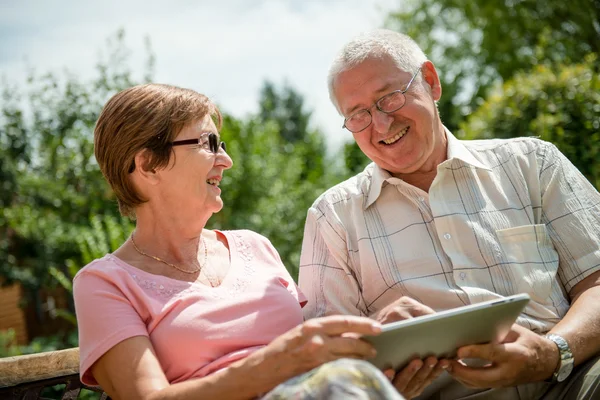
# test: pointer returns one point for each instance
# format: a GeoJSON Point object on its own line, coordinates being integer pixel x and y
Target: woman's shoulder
{"type": "Point", "coordinates": [107, 268]}
{"type": "Point", "coordinates": [248, 236]}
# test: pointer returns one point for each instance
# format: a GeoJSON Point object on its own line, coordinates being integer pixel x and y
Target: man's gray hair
{"type": "Point", "coordinates": [379, 43]}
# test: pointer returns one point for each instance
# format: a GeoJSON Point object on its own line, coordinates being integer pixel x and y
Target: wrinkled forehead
{"type": "Point", "coordinates": [359, 86]}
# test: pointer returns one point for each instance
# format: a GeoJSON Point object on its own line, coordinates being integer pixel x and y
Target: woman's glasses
{"type": "Point", "coordinates": [207, 141]}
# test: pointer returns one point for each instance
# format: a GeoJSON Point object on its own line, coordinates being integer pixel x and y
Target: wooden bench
{"type": "Point", "coordinates": [24, 377]}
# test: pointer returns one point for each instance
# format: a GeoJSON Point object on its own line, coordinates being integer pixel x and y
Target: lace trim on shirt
{"type": "Point", "coordinates": [225, 290]}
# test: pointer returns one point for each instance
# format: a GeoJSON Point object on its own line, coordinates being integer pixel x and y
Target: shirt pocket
{"type": "Point", "coordinates": [531, 260]}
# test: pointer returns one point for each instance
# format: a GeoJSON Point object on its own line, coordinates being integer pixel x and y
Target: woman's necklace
{"type": "Point", "coordinates": [173, 265]}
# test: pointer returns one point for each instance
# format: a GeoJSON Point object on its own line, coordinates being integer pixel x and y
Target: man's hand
{"type": "Point", "coordinates": [522, 357]}
{"type": "Point", "coordinates": [403, 308]}
{"type": "Point", "coordinates": [418, 374]}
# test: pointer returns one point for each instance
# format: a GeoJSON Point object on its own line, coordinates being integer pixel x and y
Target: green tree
{"type": "Point", "coordinates": [354, 159]}
{"type": "Point", "coordinates": [559, 104]}
{"type": "Point", "coordinates": [277, 173]}
{"type": "Point", "coordinates": [51, 183]}
{"type": "Point", "coordinates": [476, 43]}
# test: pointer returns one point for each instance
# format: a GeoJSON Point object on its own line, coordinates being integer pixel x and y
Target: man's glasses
{"type": "Point", "coordinates": [209, 142]}
{"type": "Point", "coordinates": [391, 102]}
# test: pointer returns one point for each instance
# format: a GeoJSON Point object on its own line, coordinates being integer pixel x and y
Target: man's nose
{"type": "Point", "coordinates": [381, 121]}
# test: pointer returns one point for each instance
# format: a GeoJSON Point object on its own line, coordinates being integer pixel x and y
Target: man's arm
{"type": "Point", "coordinates": [528, 357]}
{"type": "Point", "coordinates": [325, 277]}
{"type": "Point", "coordinates": [331, 288]}
{"type": "Point", "coordinates": [581, 325]}
{"type": "Point", "coordinates": [571, 211]}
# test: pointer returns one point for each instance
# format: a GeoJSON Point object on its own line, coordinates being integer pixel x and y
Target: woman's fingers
{"type": "Point", "coordinates": [350, 347]}
{"type": "Point", "coordinates": [339, 324]}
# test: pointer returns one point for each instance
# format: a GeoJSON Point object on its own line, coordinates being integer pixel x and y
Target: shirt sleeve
{"type": "Point", "coordinates": [284, 274]}
{"type": "Point", "coordinates": [325, 276]}
{"type": "Point", "coordinates": [571, 212]}
{"type": "Point", "coordinates": [105, 317]}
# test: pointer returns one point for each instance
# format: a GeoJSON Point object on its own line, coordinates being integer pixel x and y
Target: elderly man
{"type": "Point", "coordinates": [436, 223]}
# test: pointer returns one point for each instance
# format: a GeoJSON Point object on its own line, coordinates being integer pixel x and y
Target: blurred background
{"type": "Point", "coordinates": [508, 67]}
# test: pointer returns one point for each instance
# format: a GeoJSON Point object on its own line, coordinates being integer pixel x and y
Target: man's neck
{"type": "Point", "coordinates": [422, 180]}
{"type": "Point", "coordinates": [424, 176]}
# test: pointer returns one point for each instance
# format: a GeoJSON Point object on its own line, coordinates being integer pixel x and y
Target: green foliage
{"type": "Point", "coordinates": [475, 43]}
{"type": "Point", "coordinates": [9, 348]}
{"type": "Point", "coordinates": [272, 183]}
{"type": "Point", "coordinates": [50, 180]}
{"type": "Point", "coordinates": [354, 159]}
{"type": "Point", "coordinates": [559, 104]}
{"type": "Point", "coordinates": [285, 108]}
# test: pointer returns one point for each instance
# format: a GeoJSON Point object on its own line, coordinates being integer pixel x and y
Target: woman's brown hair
{"type": "Point", "coordinates": [144, 117]}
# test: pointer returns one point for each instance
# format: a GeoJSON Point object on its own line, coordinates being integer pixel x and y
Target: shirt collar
{"type": "Point", "coordinates": [381, 177]}
{"type": "Point", "coordinates": [457, 149]}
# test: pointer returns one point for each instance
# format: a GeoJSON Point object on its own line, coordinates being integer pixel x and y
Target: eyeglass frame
{"type": "Point", "coordinates": [376, 104]}
{"type": "Point", "coordinates": [214, 143]}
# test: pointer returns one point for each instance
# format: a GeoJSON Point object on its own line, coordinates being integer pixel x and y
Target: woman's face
{"type": "Point", "coordinates": [191, 180]}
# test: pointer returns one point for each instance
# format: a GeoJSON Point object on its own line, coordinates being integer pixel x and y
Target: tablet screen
{"type": "Point", "coordinates": [442, 333]}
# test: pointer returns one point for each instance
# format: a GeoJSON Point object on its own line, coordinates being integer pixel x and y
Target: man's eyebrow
{"type": "Point", "coordinates": [379, 92]}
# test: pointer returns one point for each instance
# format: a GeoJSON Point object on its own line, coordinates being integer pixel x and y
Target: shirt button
{"type": "Point", "coordinates": [463, 275]}
{"type": "Point", "coordinates": [447, 236]}
{"type": "Point", "coordinates": [421, 198]}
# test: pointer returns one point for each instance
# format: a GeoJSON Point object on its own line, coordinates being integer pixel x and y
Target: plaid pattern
{"type": "Point", "coordinates": [501, 217]}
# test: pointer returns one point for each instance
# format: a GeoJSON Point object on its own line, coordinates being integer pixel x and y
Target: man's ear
{"type": "Point", "coordinates": [430, 76]}
{"type": "Point", "coordinates": [142, 160]}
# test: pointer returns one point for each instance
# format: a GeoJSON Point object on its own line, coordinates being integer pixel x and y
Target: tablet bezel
{"type": "Point", "coordinates": [488, 321]}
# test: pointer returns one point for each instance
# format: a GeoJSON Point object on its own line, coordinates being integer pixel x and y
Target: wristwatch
{"type": "Point", "coordinates": [565, 365]}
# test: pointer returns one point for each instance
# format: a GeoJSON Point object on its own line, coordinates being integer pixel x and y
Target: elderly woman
{"type": "Point", "coordinates": [183, 312]}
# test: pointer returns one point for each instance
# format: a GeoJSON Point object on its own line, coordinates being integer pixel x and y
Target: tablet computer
{"type": "Point", "coordinates": [442, 333]}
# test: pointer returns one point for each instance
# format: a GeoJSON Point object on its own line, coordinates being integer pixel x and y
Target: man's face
{"type": "Point", "coordinates": [403, 142]}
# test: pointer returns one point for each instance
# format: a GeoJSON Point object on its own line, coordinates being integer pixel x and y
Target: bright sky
{"type": "Point", "coordinates": [225, 49]}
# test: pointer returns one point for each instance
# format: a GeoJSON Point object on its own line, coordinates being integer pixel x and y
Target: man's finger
{"type": "Point", "coordinates": [420, 379]}
{"type": "Point", "coordinates": [490, 352]}
{"type": "Point", "coordinates": [404, 376]}
{"type": "Point", "coordinates": [489, 376]}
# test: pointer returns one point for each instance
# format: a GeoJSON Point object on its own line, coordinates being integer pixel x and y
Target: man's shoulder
{"type": "Point", "coordinates": [525, 143]}
{"type": "Point", "coordinates": [353, 189]}
{"type": "Point", "coordinates": [508, 148]}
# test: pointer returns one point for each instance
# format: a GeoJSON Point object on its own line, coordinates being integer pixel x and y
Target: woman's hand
{"type": "Point", "coordinates": [318, 341]}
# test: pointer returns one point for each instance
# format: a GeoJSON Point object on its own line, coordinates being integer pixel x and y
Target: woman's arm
{"type": "Point", "coordinates": [130, 369]}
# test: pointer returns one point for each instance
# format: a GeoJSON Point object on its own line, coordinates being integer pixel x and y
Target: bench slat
{"type": "Point", "coordinates": [36, 367]}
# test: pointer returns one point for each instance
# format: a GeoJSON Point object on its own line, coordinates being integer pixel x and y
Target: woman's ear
{"type": "Point", "coordinates": [430, 76]}
{"type": "Point", "coordinates": [142, 160]}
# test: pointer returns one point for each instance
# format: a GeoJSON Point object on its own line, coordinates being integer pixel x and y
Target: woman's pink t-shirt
{"type": "Point", "coordinates": [195, 329]}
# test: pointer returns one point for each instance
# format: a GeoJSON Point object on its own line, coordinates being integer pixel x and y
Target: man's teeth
{"type": "Point", "coordinates": [397, 137]}
{"type": "Point", "coordinates": [214, 182]}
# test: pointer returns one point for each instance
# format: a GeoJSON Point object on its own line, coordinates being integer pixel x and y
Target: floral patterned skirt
{"type": "Point", "coordinates": [340, 379]}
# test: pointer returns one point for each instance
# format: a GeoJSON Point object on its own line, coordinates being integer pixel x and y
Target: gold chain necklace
{"type": "Point", "coordinates": [173, 265]}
